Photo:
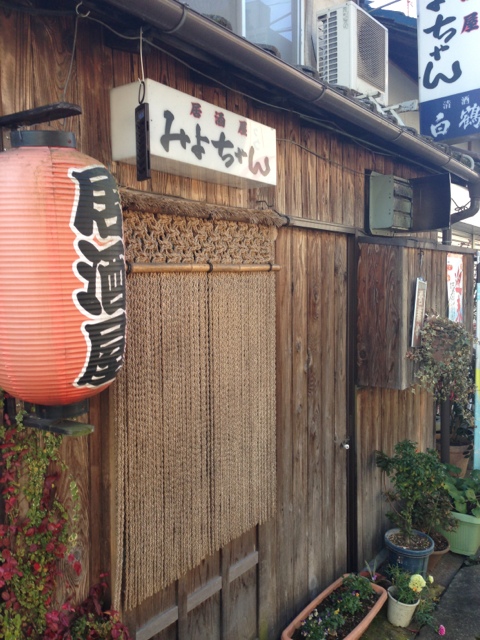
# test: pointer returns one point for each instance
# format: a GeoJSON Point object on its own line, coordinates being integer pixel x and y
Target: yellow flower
{"type": "Point", "coordinates": [417, 583]}
{"type": "Point", "coordinates": [430, 579]}
{"type": "Point", "coordinates": [337, 612]}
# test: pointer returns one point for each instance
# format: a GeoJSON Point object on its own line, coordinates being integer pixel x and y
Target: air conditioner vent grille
{"type": "Point", "coordinates": [371, 51]}
{"type": "Point", "coordinates": [327, 48]}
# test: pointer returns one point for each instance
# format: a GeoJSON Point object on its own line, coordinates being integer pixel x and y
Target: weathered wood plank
{"type": "Point", "coordinates": [340, 318]}
{"type": "Point", "coordinates": [293, 166]}
{"type": "Point", "coordinates": [327, 416]}
{"type": "Point", "coordinates": [314, 488]}
{"type": "Point", "coordinates": [324, 177]}
{"type": "Point", "coordinates": [336, 180]}
{"type": "Point", "coordinates": [283, 544]}
{"type": "Point", "coordinates": [309, 174]}
{"type": "Point", "coordinates": [299, 408]}
{"type": "Point", "coordinates": [350, 197]}
{"type": "Point", "coordinates": [75, 455]}
{"type": "Point", "coordinates": [95, 72]}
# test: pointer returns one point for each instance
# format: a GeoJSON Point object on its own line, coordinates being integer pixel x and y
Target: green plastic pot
{"type": "Point", "coordinates": [465, 540]}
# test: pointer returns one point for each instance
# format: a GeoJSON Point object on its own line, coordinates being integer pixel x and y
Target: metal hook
{"type": "Point", "coordinates": [141, 91]}
{"type": "Point", "coordinates": [81, 15]}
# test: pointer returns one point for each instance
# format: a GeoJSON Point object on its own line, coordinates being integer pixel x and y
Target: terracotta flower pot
{"type": "Point", "coordinates": [435, 558]}
{"type": "Point", "coordinates": [458, 457]}
{"type": "Point", "coordinates": [359, 629]}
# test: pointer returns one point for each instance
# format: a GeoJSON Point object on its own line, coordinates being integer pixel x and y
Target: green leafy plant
{"type": "Point", "coordinates": [412, 588]}
{"type": "Point", "coordinates": [465, 493]}
{"type": "Point", "coordinates": [461, 430]}
{"type": "Point", "coordinates": [444, 361]}
{"type": "Point", "coordinates": [419, 499]}
{"type": "Point", "coordinates": [37, 532]}
{"type": "Point", "coordinates": [347, 604]}
{"type": "Point", "coordinates": [407, 586]}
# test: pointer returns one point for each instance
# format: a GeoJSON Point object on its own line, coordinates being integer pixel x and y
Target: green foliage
{"type": "Point", "coordinates": [419, 498]}
{"type": "Point", "coordinates": [424, 612]}
{"type": "Point", "coordinates": [408, 587]}
{"type": "Point", "coordinates": [356, 592]}
{"type": "Point", "coordinates": [461, 427]}
{"type": "Point", "coordinates": [37, 532]}
{"type": "Point", "coordinates": [444, 361]}
{"type": "Point", "coordinates": [465, 493]}
{"type": "Point", "coordinates": [413, 588]}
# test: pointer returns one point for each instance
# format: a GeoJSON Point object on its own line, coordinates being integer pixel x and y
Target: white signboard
{"type": "Point", "coordinates": [455, 287]}
{"type": "Point", "coordinates": [419, 311]}
{"type": "Point", "coordinates": [193, 138]}
{"type": "Point", "coordinates": [449, 79]}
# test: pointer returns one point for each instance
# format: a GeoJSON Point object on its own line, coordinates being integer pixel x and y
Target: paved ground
{"type": "Point", "coordinates": [459, 607]}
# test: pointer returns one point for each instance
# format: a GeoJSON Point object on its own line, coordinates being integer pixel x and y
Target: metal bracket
{"type": "Point", "coordinates": [60, 427]}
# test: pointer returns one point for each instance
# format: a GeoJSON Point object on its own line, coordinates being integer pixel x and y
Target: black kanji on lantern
{"type": "Point", "coordinates": [97, 223]}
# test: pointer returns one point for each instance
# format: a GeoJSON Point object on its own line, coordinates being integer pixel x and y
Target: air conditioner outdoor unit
{"type": "Point", "coordinates": [352, 50]}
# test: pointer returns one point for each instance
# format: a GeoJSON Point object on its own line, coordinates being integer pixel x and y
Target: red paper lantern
{"type": "Point", "coordinates": [62, 272]}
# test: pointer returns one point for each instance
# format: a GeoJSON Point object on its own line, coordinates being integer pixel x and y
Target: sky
{"type": "Point", "coordinates": [408, 7]}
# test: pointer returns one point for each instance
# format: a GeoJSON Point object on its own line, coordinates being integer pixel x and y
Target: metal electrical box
{"type": "Point", "coordinates": [397, 205]}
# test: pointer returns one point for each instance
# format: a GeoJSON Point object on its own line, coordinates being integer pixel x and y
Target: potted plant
{"type": "Point", "coordinates": [342, 611]}
{"type": "Point", "coordinates": [417, 479]}
{"type": "Point", "coordinates": [444, 360]}
{"type": "Point", "coordinates": [409, 597]}
{"type": "Point", "coordinates": [403, 595]}
{"type": "Point", "coordinates": [465, 497]}
{"type": "Point", "coordinates": [444, 367]}
{"type": "Point", "coordinates": [433, 513]}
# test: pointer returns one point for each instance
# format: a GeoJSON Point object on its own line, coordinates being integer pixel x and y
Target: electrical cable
{"type": "Point", "coordinates": [327, 124]}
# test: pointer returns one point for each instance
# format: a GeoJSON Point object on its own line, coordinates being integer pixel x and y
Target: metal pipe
{"type": "Point", "coordinates": [445, 408]}
{"type": "Point", "coordinates": [170, 16]}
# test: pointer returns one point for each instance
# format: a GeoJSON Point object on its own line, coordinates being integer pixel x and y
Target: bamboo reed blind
{"type": "Point", "coordinates": [194, 411]}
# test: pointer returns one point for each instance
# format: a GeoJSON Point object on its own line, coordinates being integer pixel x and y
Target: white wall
{"type": "Point", "coordinates": [401, 88]}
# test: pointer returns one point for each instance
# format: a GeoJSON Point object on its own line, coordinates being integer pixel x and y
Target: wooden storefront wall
{"type": "Point", "coordinates": [253, 586]}
{"type": "Point", "coordinates": [384, 416]}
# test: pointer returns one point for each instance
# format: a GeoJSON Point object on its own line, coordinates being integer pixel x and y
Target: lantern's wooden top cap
{"type": "Point", "coordinates": [47, 113]}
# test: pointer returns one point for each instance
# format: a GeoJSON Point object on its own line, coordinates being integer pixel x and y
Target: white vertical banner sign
{"type": "Point", "coordinates": [449, 82]}
{"type": "Point", "coordinates": [455, 287]}
{"type": "Point", "coordinates": [419, 311]}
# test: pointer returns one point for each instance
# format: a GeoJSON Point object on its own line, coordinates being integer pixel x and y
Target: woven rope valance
{"type": "Point", "coordinates": [163, 238]}
{"type": "Point", "coordinates": [142, 201]}
{"type": "Point", "coordinates": [194, 410]}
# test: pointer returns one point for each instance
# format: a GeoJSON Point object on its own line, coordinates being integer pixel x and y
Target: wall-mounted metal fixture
{"type": "Point", "coordinates": [397, 205]}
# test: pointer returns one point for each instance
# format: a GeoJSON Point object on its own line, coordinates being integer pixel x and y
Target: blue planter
{"type": "Point", "coordinates": [410, 560]}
